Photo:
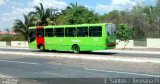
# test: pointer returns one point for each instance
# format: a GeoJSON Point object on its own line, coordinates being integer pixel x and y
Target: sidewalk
{"type": "Point", "coordinates": [117, 50]}
{"type": "Point", "coordinates": [92, 56]}
{"type": "Point", "coordinates": [133, 51]}
{"type": "Point", "coordinates": [13, 47]}
{"type": "Point", "coordinates": [140, 49]}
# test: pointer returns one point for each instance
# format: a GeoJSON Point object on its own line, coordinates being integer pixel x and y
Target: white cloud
{"type": "Point", "coordinates": [7, 19]}
{"type": "Point", "coordinates": [59, 4]}
{"type": "Point", "coordinates": [118, 5]}
{"type": "Point", "coordinates": [2, 2]}
{"type": "Point", "coordinates": [109, 8]}
{"type": "Point", "coordinates": [17, 13]}
{"type": "Point", "coordinates": [123, 2]}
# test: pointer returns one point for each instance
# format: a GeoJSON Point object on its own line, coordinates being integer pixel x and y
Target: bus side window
{"type": "Point", "coordinates": [82, 32]}
{"type": "Point", "coordinates": [70, 32]}
{"type": "Point", "coordinates": [49, 32]}
{"type": "Point", "coordinates": [59, 32]}
{"type": "Point", "coordinates": [32, 35]}
{"type": "Point", "coordinates": [40, 32]}
{"type": "Point", "coordinates": [95, 31]}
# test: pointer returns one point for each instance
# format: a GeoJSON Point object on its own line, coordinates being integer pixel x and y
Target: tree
{"type": "Point", "coordinates": [113, 16]}
{"type": "Point", "coordinates": [21, 27]}
{"type": "Point", "coordinates": [158, 3]}
{"type": "Point", "coordinates": [7, 30]}
{"type": "Point", "coordinates": [6, 37]}
{"type": "Point", "coordinates": [125, 33]}
{"type": "Point", "coordinates": [75, 14]}
{"type": "Point", "coordinates": [44, 16]}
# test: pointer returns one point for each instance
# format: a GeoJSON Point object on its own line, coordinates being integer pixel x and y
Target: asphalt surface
{"type": "Point", "coordinates": [102, 53]}
{"type": "Point", "coordinates": [46, 69]}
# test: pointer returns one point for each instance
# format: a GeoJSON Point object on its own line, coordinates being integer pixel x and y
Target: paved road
{"type": "Point", "coordinates": [21, 66]}
{"type": "Point", "coordinates": [102, 53]}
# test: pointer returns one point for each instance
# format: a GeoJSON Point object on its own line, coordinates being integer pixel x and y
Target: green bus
{"type": "Point", "coordinates": [76, 38]}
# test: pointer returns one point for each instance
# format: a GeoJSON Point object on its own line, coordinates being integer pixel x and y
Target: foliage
{"type": "Point", "coordinates": [44, 16]}
{"type": "Point", "coordinates": [6, 37]}
{"type": "Point", "coordinates": [125, 32]}
{"type": "Point", "coordinates": [22, 26]}
{"type": "Point", "coordinates": [144, 19]}
{"type": "Point", "coordinates": [75, 14]}
{"type": "Point", "coordinates": [18, 37]}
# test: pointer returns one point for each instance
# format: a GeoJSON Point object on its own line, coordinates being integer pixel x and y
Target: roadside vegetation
{"type": "Point", "coordinates": [142, 21]}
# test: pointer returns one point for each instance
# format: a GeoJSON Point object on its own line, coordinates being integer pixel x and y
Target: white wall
{"type": "Point", "coordinates": [121, 44]}
{"type": "Point", "coordinates": [2, 43]}
{"type": "Point", "coordinates": [153, 43]}
{"type": "Point", "coordinates": [19, 43]}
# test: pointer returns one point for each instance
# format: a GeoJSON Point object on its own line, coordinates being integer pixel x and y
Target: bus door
{"type": "Point", "coordinates": [40, 36]}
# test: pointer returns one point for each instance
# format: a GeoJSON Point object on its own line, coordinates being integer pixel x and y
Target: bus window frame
{"type": "Point", "coordinates": [111, 32]}
{"type": "Point", "coordinates": [74, 32]}
{"type": "Point", "coordinates": [87, 32]}
{"type": "Point", "coordinates": [101, 31]}
{"type": "Point", "coordinates": [33, 36]}
{"type": "Point", "coordinates": [54, 30]}
{"type": "Point", "coordinates": [46, 33]}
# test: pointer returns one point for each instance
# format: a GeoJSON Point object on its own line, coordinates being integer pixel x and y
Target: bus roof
{"type": "Point", "coordinates": [77, 25]}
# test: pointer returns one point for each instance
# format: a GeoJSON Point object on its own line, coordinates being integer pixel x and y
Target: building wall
{"type": "Point", "coordinates": [3, 43]}
{"type": "Point", "coordinates": [121, 44]}
{"type": "Point", "coordinates": [19, 43]}
{"type": "Point", "coordinates": [153, 43]}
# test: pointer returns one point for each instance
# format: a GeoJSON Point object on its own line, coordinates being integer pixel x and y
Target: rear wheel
{"type": "Point", "coordinates": [75, 49]}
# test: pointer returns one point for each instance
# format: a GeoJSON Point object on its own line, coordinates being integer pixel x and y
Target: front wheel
{"type": "Point", "coordinates": [75, 49]}
{"type": "Point", "coordinates": [41, 48]}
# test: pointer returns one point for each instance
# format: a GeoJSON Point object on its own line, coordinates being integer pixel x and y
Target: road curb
{"type": "Point", "coordinates": [87, 57]}
{"type": "Point", "coordinates": [131, 52]}
{"type": "Point", "coordinates": [110, 51]}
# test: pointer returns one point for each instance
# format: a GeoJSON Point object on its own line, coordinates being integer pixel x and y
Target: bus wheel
{"type": "Point", "coordinates": [41, 48]}
{"type": "Point", "coordinates": [75, 49]}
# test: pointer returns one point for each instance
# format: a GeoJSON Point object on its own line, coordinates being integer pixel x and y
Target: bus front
{"type": "Point", "coordinates": [111, 36]}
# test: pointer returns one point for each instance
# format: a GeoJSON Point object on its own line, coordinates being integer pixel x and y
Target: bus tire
{"type": "Point", "coordinates": [41, 48]}
{"type": "Point", "coordinates": [75, 49]}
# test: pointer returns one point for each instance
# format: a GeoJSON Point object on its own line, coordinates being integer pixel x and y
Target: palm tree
{"type": "Point", "coordinates": [21, 27]}
{"type": "Point", "coordinates": [7, 30]}
{"type": "Point", "coordinates": [44, 16]}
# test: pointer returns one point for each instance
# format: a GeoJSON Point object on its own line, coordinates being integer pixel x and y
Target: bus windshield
{"type": "Point", "coordinates": [32, 35]}
{"type": "Point", "coordinates": [111, 29]}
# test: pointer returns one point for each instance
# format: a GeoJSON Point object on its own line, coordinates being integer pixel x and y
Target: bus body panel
{"type": "Point", "coordinates": [40, 36]}
{"type": "Point", "coordinates": [85, 43]}
{"type": "Point", "coordinates": [33, 45]}
{"type": "Point", "coordinates": [67, 43]}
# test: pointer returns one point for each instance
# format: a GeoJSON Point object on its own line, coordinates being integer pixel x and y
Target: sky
{"type": "Point", "coordinates": [11, 10]}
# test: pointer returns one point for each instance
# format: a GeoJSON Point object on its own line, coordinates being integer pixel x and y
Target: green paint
{"type": "Point", "coordinates": [84, 43]}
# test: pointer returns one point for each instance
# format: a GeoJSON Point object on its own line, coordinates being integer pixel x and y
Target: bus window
{"type": "Point", "coordinates": [82, 32]}
{"type": "Point", "coordinates": [49, 32]}
{"type": "Point", "coordinates": [40, 32]}
{"type": "Point", "coordinates": [70, 32]}
{"type": "Point", "coordinates": [111, 29]}
{"type": "Point", "coordinates": [95, 31]}
{"type": "Point", "coordinates": [59, 32]}
{"type": "Point", "coordinates": [32, 35]}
